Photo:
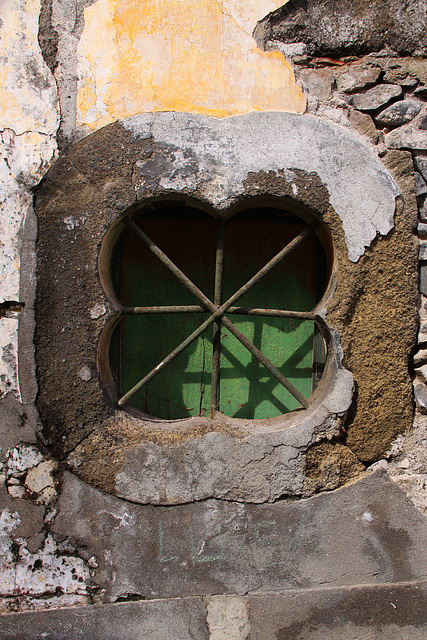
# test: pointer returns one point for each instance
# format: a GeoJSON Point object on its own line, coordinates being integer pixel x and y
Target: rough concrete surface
{"type": "Point", "coordinates": [347, 28]}
{"type": "Point", "coordinates": [362, 613]}
{"type": "Point", "coordinates": [367, 532]}
{"type": "Point", "coordinates": [183, 619]}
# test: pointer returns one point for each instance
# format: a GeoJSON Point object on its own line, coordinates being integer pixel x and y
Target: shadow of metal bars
{"type": "Point", "coordinates": [218, 310]}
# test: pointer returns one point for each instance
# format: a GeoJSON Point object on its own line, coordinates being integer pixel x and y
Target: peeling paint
{"type": "Point", "coordinates": [29, 475]}
{"type": "Point", "coordinates": [36, 574]}
{"type": "Point", "coordinates": [28, 123]}
{"type": "Point", "coordinates": [197, 56]}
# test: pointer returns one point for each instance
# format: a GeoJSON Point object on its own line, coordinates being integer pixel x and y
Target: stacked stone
{"type": "Point", "coordinates": [383, 96]}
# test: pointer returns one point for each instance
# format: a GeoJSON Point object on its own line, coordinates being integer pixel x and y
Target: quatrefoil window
{"type": "Point", "coordinates": [217, 315]}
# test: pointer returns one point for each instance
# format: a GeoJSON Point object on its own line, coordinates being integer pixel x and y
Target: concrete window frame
{"type": "Point", "coordinates": [124, 398]}
{"type": "Point", "coordinates": [300, 160]}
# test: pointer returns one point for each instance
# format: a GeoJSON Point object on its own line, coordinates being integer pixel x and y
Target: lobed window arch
{"type": "Point", "coordinates": [174, 355]}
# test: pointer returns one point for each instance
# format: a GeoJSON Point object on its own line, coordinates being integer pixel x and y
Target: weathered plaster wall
{"type": "Point", "coordinates": [196, 56]}
{"type": "Point", "coordinates": [63, 542]}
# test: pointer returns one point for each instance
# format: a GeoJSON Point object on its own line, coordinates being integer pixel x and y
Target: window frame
{"type": "Point", "coordinates": [217, 308]}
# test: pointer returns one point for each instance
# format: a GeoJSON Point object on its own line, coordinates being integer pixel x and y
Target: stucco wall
{"type": "Point", "coordinates": [70, 68]}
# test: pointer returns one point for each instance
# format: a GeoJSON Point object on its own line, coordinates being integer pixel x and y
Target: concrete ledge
{"type": "Point", "coordinates": [365, 612]}
{"type": "Point", "coordinates": [153, 620]}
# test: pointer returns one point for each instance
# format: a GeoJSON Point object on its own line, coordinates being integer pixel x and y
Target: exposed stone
{"type": "Point", "coordinates": [407, 137]}
{"type": "Point", "coordinates": [84, 373]}
{"type": "Point", "coordinates": [228, 618]}
{"type": "Point", "coordinates": [394, 66]}
{"type": "Point", "coordinates": [422, 209]}
{"type": "Point", "coordinates": [362, 613]}
{"type": "Point", "coordinates": [420, 184]}
{"type": "Point", "coordinates": [39, 573]}
{"type": "Point", "coordinates": [421, 92]}
{"type": "Point", "coordinates": [399, 76]}
{"type": "Point", "coordinates": [422, 255]}
{"type": "Point", "coordinates": [349, 28]}
{"type": "Point", "coordinates": [420, 357]}
{"type": "Point", "coordinates": [423, 283]}
{"type": "Point", "coordinates": [422, 229]}
{"type": "Point", "coordinates": [398, 113]}
{"type": "Point", "coordinates": [39, 481]}
{"type": "Point", "coordinates": [97, 311]}
{"type": "Point", "coordinates": [318, 82]}
{"type": "Point", "coordinates": [376, 97]}
{"type": "Point", "coordinates": [420, 395]}
{"type": "Point", "coordinates": [421, 373]}
{"type": "Point", "coordinates": [420, 162]}
{"type": "Point", "coordinates": [410, 447]}
{"type": "Point", "coordinates": [356, 78]}
{"type": "Point", "coordinates": [422, 334]}
{"type": "Point", "coordinates": [215, 546]}
{"type": "Point", "coordinates": [364, 124]}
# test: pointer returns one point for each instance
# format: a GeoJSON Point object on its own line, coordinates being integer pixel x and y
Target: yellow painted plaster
{"type": "Point", "coordinates": [198, 56]}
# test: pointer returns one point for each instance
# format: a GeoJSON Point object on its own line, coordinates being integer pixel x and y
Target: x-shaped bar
{"type": "Point", "coordinates": [218, 312]}
{"type": "Point", "coordinates": [242, 311]}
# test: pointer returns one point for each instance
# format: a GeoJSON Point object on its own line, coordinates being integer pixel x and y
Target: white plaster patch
{"type": "Point", "coordinates": [224, 152]}
{"type": "Point", "coordinates": [29, 475]}
{"type": "Point", "coordinates": [28, 123]}
{"type": "Point", "coordinates": [35, 574]}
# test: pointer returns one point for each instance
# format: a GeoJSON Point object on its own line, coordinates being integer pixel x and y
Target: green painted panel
{"type": "Point", "coordinates": [188, 237]}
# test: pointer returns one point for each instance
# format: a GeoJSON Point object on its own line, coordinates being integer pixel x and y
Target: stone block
{"type": "Point", "coordinates": [215, 547]}
{"type": "Point", "coordinates": [422, 253]}
{"type": "Point", "coordinates": [420, 184]}
{"type": "Point", "coordinates": [357, 78]}
{"type": "Point", "coordinates": [420, 395]}
{"type": "Point", "coordinates": [398, 113]}
{"type": "Point", "coordinates": [365, 613]}
{"type": "Point", "coordinates": [407, 137]}
{"type": "Point", "coordinates": [364, 124]}
{"type": "Point", "coordinates": [422, 209]}
{"type": "Point", "coordinates": [421, 372]}
{"type": "Point", "coordinates": [376, 97]}
{"type": "Point", "coordinates": [420, 357]}
{"type": "Point", "coordinates": [421, 92]}
{"type": "Point", "coordinates": [318, 82]}
{"type": "Point", "coordinates": [155, 620]}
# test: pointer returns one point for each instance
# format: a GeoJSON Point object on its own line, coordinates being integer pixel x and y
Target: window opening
{"type": "Point", "coordinates": [218, 353]}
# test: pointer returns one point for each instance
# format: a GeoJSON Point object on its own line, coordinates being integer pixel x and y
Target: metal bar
{"type": "Point", "coordinates": [266, 362]}
{"type": "Point", "coordinates": [168, 263]}
{"type": "Point", "coordinates": [195, 308]}
{"type": "Point", "coordinates": [216, 312]}
{"type": "Point", "coordinates": [167, 360]}
{"type": "Point", "coordinates": [190, 308]}
{"type": "Point", "coordinates": [273, 313]}
{"type": "Point", "coordinates": [219, 273]}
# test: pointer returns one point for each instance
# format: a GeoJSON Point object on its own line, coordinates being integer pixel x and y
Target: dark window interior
{"type": "Point", "coordinates": [188, 237]}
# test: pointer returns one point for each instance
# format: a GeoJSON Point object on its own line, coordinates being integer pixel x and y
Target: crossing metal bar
{"type": "Point", "coordinates": [216, 356]}
{"type": "Point", "coordinates": [218, 312]}
{"type": "Point", "coordinates": [196, 308]}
